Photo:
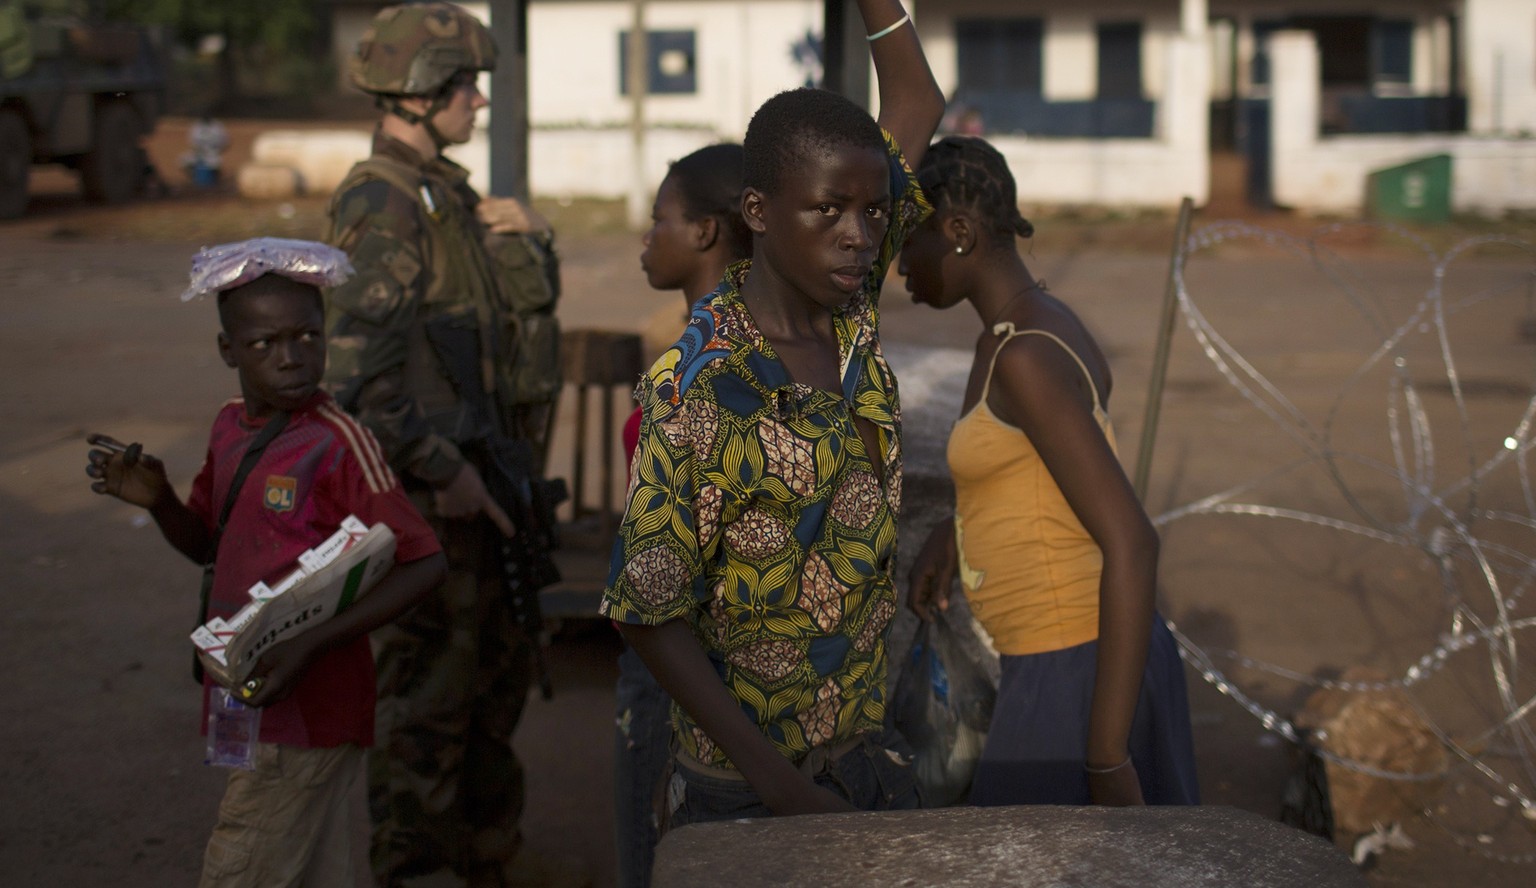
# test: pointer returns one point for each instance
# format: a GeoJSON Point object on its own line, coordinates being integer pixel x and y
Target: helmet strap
{"type": "Point", "coordinates": [391, 104]}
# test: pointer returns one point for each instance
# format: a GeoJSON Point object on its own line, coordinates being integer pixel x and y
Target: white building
{"type": "Point", "coordinates": [1333, 91]}
{"type": "Point", "coordinates": [1111, 102]}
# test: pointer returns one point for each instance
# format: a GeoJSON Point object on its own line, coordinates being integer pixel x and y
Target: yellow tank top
{"type": "Point", "coordinates": [1029, 568]}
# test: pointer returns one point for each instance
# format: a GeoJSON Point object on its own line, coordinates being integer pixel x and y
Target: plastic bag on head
{"type": "Point", "coordinates": [231, 265]}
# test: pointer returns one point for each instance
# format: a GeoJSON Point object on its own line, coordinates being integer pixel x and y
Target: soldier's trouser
{"type": "Point", "coordinates": [445, 789]}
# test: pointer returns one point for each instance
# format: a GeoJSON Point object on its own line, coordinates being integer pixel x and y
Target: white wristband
{"type": "Point", "coordinates": [888, 29]}
{"type": "Point", "coordinates": [1092, 770]}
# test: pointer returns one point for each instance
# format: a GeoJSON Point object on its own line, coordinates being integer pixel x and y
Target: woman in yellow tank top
{"type": "Point", "coordinates": [1055, 553]}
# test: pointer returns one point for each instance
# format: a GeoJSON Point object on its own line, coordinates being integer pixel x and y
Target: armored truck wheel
{"type": "Point", "coordinates": [15, 164]}
{"type": "Point", "coordinates": [113, 170]}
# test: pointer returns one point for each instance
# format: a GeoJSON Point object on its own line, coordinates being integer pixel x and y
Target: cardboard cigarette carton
{"type": "Point", "coordinates": [326, 580]}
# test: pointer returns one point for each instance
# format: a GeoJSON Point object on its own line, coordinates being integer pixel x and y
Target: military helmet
{"type": "Point", "coordinates": [416, 48]}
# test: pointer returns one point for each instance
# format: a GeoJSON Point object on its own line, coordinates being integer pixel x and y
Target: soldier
{"type": "Point", "coordinates": [443, 345]}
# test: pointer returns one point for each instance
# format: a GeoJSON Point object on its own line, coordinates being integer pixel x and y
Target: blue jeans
{"type": "Point", "coordinates": [876, 775]}
{"type": "Point", "coordinates": [642, 750]}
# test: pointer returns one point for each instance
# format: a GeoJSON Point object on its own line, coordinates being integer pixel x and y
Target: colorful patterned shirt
{"type": "Point", "coordinates": [754, 512]}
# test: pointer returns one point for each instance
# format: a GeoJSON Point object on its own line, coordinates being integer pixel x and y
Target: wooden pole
{"type": "Point", "coordinates": [1160, 356]}
{"type": "Point", "coordinates": [637, 75]}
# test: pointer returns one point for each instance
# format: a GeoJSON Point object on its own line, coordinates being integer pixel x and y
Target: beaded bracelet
{"type": "Point", "coordinates": [888, 29]}
{"type": "Point", "coordinates": [1092, 770]}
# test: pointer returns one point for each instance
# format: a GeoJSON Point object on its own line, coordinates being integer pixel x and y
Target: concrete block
{"type": "Point", "coordinates": [261, 181]}
{"type": "Point", "coordinates": [1195, 847]}
{"type": "Point", "coordinates": [321, 157]}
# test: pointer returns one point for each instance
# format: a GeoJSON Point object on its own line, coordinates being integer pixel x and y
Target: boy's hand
{"type": "Point", "coordinates": [125, 471]}
{"type": "Point", "coordinates": [276, 674]}
{"type": "Point", "coordinates": [508, 215]}
{"type": "Point", "coordinates": [808, 797]}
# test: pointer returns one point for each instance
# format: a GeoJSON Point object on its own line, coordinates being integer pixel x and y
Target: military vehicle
{"type": "Point", "coordinates": [77, 92]}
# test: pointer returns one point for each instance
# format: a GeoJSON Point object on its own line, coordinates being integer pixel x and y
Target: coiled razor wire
{"type": "Point", "coordinates": [1452, 539]}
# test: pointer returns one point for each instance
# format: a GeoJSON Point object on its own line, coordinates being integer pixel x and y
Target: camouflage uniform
{"type": "Point", "coordinates": [435, 290]}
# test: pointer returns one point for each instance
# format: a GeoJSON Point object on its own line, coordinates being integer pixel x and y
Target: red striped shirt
{"type": "Point", "coordinates": [322, 468]}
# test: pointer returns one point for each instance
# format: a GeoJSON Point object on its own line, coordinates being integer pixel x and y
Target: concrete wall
{"type": "Point", "coordinates": [1155, 172]}
{"type": "Point", "coordinates": [321, 158]}
{"type": "Point", "coordinates": [1069, 57]}
{"type": "Point", "coordinates": [1069, 63]}
{"type": "Point", "coordinates": [1176, 70]}
{"type": "Point", "coordinates": [580, 143]}
{"type": "Point", "coordinates": [743, 57]}
{"type": "Point", "coordinates": [1490, 174]}
{"type": "Point", "coordinates": [596, 163]}
{"type": "Point", "coordinates": [1500, 65]}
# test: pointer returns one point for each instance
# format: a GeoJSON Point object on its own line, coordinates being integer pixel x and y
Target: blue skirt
{"type": "Point", "coordinates": [1035, 747]}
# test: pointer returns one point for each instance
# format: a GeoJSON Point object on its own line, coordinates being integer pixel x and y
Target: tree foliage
{"type": "Point", "coordinates": [281, 26]}
{"type": "Point", "coordinates": [270, 47]}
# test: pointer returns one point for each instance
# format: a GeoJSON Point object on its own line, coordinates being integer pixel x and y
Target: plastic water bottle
{"type": "Point", "coordinates": [233, 729]}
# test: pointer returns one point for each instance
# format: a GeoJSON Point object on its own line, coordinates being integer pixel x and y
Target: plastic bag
{"type": "Point", "coordinates": [230, 265]}
{"type": "Point", "coordinates": [943, 707]}
{"type": "Point", "coordinates": [233, 732]}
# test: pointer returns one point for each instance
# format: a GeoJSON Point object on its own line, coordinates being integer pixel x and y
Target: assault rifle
{"type": "Point", "coordinates": [526, 559]}
{"type": "Point", "coordinates": [508, 467]}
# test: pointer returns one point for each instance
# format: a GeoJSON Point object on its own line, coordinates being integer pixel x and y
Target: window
{"type": "Point", "coordinates": [1392, 51]}
{"type": "Point", "coordinates": [1000, 68]}
{"type": "Point", "coordinates": [1120, 60]}
{"type": "Point", "coordinates": [1343, 47]}
{"type": "Point", "coordinates": [1262, 31]}
{"type": "Point", "coordinates": [671, 65]}
{"type": "Point", "coordinates": [1354, 51]}
{"type": "Point", "coordinates": [999, 55]}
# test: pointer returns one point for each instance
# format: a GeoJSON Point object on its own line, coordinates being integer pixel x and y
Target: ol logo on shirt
{"type": "Point", "coordinates": [280, 493]}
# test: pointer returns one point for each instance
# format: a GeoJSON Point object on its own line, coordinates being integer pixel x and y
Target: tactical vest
{"type": "Point", "coordinates": [503, 286]}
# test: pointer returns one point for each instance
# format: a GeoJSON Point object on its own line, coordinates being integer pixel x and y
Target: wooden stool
{"type": "Point", "coordinates": [605, 360]}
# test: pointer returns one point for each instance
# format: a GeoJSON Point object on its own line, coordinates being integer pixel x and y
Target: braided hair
{"type": "Point", "coordinates": [709, 182]}
{"type": "Point", "coordinates": [967, 173]}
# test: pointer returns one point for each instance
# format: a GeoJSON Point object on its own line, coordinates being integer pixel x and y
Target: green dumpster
{"type": "Point", "coordinates": [1417, 191]}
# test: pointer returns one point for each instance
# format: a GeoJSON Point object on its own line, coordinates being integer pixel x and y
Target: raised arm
{"type": "Point", "coordinates": [911, 104]}
{"type": "Point", "coordinates": [1041, 390]}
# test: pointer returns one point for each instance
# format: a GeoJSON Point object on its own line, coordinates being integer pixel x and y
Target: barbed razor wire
{"type": "Point", "coordinates": [1452, 514]}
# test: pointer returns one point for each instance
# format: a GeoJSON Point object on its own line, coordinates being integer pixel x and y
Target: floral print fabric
{"type": "Point", "coordinates": [755, 514]}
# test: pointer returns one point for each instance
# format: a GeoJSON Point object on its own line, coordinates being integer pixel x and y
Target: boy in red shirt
{"type": "Point", "coordinates": [288, 821]}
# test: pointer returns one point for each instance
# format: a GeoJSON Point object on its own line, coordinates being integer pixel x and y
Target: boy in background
{"type": "Point", "coordinates": [287, 822]}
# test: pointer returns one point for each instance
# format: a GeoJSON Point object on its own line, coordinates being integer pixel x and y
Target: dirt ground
{"type": "Point", "coordinates": [97, 720]}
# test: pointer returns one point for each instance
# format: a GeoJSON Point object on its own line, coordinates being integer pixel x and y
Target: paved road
{"type": "Point", "coordinates": [97, 722]}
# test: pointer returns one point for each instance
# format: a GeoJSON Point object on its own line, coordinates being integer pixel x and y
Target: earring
{"type": "Point", "coordinates": [959, 249]}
